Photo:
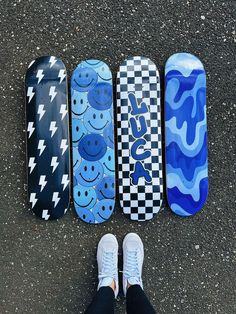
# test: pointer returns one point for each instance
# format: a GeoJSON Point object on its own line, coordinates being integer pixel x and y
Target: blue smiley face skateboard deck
{"type": "Point", "coordinates": [47, 137]}
{"type": "Point", "coordinates": [93, 141]}
{"type": "Point", "coordinates": [186, 134]}
{"type": "Point", "coordinates": [139, 138]}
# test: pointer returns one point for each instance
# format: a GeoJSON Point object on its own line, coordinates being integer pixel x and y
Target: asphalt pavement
{"type": "Point", "coordinates": [190, 264]}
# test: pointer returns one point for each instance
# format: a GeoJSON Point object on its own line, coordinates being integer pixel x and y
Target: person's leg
{"type": "Point", "coordinates": [107, 259]}
{"type": "Point", "coordinates": [133, 256]}
{"type": "Point", "coordinates": [137, 301]}
{"type": "Point", "coordinates": [103, 302]}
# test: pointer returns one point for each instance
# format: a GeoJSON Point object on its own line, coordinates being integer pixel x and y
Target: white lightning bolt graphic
{"type": "Point", "coordinates": [52, 60]}
{"type": "Point", "coordinates": [32, 164]}
{"type": "Point", "coordinates": [55, 198]}
{"type": "Point", "coordinates": [63, 146]}
{"type": "Point", "coordinates": [52, 92]}
{"type": "Point", "coordinates": [53, 127]}
{"type": "Point", "coordinates": [42, 182]}
{"type": "Point", "coordinates": [45, 214]}
{"type": "Point", "coordinates": [41, 147]}
{"type": "Point", "coordinates": [41, 111]}
{"type": "Point", "coordinates": [40, 75]}
{"type": "Point", "coordinates": [31, 63]}
{"type": "Point", "coordinates": [54, 163]}
{"type": "Point", "coordinates": [62, 75]}
{"type": "Point", "coordinates": [30, 128]}
{"type": "Point", "coordinates": [33, 199]}
{"type": "Point", "coordinates": [65, 181]}
{"type": "Point", "coordinates": [63, 111]}
{"type": "Point", "coordinates": [30, 93]}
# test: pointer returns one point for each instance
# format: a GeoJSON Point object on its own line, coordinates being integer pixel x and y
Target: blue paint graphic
{"type": "Point", "coordinates": [92, 147]}
{"type": "Point", "coordinates": [83, 79]}
{"type": "Point", "coordinates": [103, 210]}
{"type": "Point", "coordinates": [140, 172]}
{"type": "Point", "coordinates": [108, 135]}
{"type": "Point", "coordinates": [106, 188]}
{"type": "Point", "coordinates": [137, 109]}
{"type": "Point", "coordinates": [93, 141]}
{"type": "Point", "coordinates": [84, 197]}
{"type": "Point", "coordinates": [135, 146]}
{"type": "Point", "coordinates": [95, 121]}
{"type": "Point", "coordinates": [85, 214]}
{"type": "Point", "coordinates": [100, 97]}
{"type": "Point", "coordinates": [89, 173]}
{"type": "Point", "coordinates": [138, 132]}
{"type": "Point", "coordinates": [186, 134]}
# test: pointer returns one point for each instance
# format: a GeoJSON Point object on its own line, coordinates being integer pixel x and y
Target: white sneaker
{"type": "Point", "coordinates": [107, 259]}
{"type": "Point", "coordinates": [133, 255]}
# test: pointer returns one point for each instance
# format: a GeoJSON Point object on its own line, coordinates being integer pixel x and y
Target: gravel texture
{"type": "Point", "coordinates": [189, 263]}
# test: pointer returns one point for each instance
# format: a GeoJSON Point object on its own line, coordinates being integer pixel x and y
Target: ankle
{"type": "Point", "coordinates": [130, 285]}
{"type": "Point", "coordinates": [113, 285]}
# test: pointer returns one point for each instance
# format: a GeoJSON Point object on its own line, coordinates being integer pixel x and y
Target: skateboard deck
{"type": "Point", "coordinates": [93, 141]}
{"type": "Point", "coordinates": [139, 138]}
{"type": "Point", "coordinates": [186, 134]}
{"type": "Point", "coordinates": [47, 137]}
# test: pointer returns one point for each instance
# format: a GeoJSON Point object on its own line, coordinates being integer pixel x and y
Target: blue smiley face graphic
{"type": "Point", "coordinates": [76, 158]}
{"type": "Point", "coordinates": [94, 63]}
{"type": "Point", "coordinates": [109, 136]}
{"type": "Point", "coordinates": [84, 197]}
{"type": "Point", "coordinates": [103, 210]}
{"type": "Point", "coordinates": [104, 73]}
{"type": "Point", "coordinates": [108, 162]}
{"type": "Point", "coordinates": [106, 188]}
{"type": "Point", "coordinates": [79, 104]}
{"type": "Point", "coordinates": [89, 173]}
{"type": "Point", "coordinates": [78, 131]}
{"type": "Point", "coordinates": [102, 69]}
{"type": "Point", "coordinates": [92, 147]}
{"type": "Point", "coordinates": [83, 79]}
{"type": "Point", "coordinates": [74, 181]}
{"type": "Point", "coordinates": [95, 121]}
{"type": "Point", "coordinates": [100, 97]}
{"type": "Point", "coordinates": [85, 214]}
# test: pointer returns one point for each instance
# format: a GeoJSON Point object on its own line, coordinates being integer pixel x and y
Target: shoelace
{"type": "Point", "coordinates": [109, 267]}
{"type": "Point", "coordinates": [131, 269]}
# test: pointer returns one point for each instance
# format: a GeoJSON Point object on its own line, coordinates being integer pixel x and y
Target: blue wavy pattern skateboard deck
{"type": "Point", "coordinates": [139, 138]}
{"type": "Point", "coordinates": [93, 141]}
{"type": "Point", "coordinates": [47, 137]}
{"type": "Point", "coordinates": [186, 134]}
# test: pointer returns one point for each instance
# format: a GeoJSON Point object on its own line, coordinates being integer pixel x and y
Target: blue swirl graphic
{"type": "Point", "coordinates": [186, 134]}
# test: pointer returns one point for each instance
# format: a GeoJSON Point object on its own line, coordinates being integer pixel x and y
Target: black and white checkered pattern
{"type": "Point", "coordinates": [139, 75]}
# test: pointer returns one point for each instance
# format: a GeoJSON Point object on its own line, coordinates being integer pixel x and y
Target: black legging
{"type": "Point", "coordinates": [136, 302]}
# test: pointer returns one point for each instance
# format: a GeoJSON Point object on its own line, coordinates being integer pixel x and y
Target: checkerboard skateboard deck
{"type": "Point", "coordinates": [186, 134]}
{"type": "Point", "coordinates": [47, 137]}
{"type": "Point", "coordinates": [93, 141]}
{"type": "Point", "coordinates": [139, 138]}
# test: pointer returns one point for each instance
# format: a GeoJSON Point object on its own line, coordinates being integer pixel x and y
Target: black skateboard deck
{"type": "Point", "coordinates": [47, 137]}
